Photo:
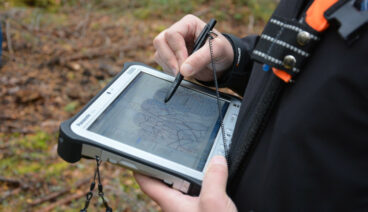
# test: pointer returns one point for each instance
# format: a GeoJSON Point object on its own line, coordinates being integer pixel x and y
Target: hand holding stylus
{"type": "Point", "coordinates": [174, 44]}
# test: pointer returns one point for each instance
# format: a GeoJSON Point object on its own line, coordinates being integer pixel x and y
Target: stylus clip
{"type": "Point", "coordinates": [212, 34]}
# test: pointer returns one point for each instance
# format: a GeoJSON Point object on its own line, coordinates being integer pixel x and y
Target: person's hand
{"type": "Point", "coordinates": [212, 198]}
{"type": "Point", "coordinates": [175, 43]}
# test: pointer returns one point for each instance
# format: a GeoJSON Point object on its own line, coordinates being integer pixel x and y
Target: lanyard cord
{"type": "Point", "coordinates": [89, 195]}
{"type": "Point", "coordinates": [211, 37]}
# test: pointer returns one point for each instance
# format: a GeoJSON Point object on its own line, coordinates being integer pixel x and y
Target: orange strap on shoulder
{"type": "Point", "coordinates": [315, 14]}
{"type": "Point", "coordinates": [282, 75]}
{"type": "Point", "coordinates": [314, 18]}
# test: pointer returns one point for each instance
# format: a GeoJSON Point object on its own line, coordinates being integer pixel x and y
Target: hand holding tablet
{"type": "Point", "coordinates": [129, 124]}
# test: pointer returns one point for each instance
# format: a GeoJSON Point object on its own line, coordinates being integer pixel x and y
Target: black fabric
{"type": "Point", "coordinates": [312, 154]}
{"type": "Point", "coordinates": [256, 121]}
{"type": "Point", "coordinates": [252, 115]}
{"type": "Point", "coordinates": [279, 39]}
{"type": "Point", "coordinates": [236, 77]}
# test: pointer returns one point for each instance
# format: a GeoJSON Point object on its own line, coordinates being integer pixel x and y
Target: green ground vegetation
{"type": "Point", "coordinates": [144, 9]}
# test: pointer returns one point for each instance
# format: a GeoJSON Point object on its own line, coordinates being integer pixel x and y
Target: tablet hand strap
{"type": "Point", "coordinates": [89, 195]}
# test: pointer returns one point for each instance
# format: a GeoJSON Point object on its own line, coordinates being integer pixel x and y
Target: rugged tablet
{"type": "Point", "coordinates": [129, 124]}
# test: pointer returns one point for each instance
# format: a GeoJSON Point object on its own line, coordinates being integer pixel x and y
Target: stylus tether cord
{"type": "Point", "coordinates": [226, 151]}
{"type": "Point", "coordinates": [89, 195]}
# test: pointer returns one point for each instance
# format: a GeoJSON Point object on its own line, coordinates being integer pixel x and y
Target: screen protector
{"type": "Point", "coordinates": [182, 130]}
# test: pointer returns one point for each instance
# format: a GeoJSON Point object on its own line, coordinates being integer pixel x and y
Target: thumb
{"type": "Point", "coordinates": [196, 62]}
{"type": "Point", "coordinates": [215, 179]}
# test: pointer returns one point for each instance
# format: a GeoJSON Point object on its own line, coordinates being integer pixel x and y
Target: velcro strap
{"type": "Point", "coordinates": [285, 44]}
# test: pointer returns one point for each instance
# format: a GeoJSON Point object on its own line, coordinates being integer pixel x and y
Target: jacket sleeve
{"type": "Point", "coordinates": [237, 76]}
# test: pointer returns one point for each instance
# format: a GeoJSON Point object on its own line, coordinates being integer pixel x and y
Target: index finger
{"type": "Point", "coordinates": [177, 45]}
{"type": "Point", "coordinates": [189, 27]}
{"type": "Point", "coordinates": [158, 191]}
{"type": "Point", "coordinates": [181, 35]}
{"type": "Point", "coordinates": [165, 53]}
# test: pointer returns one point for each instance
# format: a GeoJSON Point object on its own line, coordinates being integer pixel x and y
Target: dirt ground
{"type": "Point", "coordinates": [54, 61]}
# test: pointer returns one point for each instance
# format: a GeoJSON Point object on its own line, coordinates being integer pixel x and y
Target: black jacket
{"type": "Point", "coordinates": [312, 152]}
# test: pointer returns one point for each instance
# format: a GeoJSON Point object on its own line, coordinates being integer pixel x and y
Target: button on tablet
{"type": "Point", "coordinates": [169, 183]}
{"type": "Point", "coordinates": [112, 161]}
{"type": "Point", "coordinates": [220, 151]}
{"type": "Point", "coordinates": [228, 132]}
{"type": "Point", "coordinates": [228, 136]}
{"type": "Point", "coordinates": [127, 164]}
{"type": "Point", "coordinates": [131, 70]}
{"type": "Point", "coordinates": [185, 186]}
{"type": "Point", "coordinates": [233, 117]}
{"type": "Point", "coordinates": [110, 91]}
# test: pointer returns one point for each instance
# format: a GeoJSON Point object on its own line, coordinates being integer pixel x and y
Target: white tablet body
{"type": "Point", "coordinates": [171, 141]}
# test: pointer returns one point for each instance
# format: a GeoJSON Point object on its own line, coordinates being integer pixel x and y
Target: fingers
{"type": "Point", "coordinates": [165, 56]}
{"type": "Point", "coordinates": [172, 44]}
{"type": "Point", "coordinates": [177, 44]}
{"type": "Point", "coordinates": [172, 50]}
{"type": "Point", "coordinates": [215, 179]}
{"type": "Point", "coordinates": [189, 27]}
{"type": "Point", "coordinates": [199, 65]}
{"type": "Point", "coordinates": [164, 66]}
{"type": "Point", "coordinates": [196, 62]}
{"type": "Point", "coordinates": [213, 195]}
{"type": "Point", "coordinates": [158, 191]}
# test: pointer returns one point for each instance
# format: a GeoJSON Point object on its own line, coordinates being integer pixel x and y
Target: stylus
{"type": "Point", "coordinates": [201, 40]}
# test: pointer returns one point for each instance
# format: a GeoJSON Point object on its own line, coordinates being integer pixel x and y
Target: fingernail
{"type": "Point", "coordinates": [218, 160]}
{"type": "Point", "coordinates": [175, 71]}
{"type": "Point", "coordinates": [187, 69]}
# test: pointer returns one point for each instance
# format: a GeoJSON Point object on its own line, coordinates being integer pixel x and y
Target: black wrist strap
{"type": "Point", "coordinates": [89, 195]}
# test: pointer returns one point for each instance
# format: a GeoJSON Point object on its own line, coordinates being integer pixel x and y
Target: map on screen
{"type": "Point", "coordinates": [182, 130]}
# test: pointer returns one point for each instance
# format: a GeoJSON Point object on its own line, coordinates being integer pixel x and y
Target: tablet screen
{"type": "Point", "coordinates": [182, 130]}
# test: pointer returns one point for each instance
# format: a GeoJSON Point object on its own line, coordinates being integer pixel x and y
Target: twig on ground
{"type": "Point", "coordinates": [95, 52]}
{"type": "Point", "coordinates": [10, 193]}
{"type": "Point", "coordinates": [36, 22]}
{"type": "Point", "coordinates": [109, 69]}
{"type": "Point", "coordinates": [82, 26]}
{"type": "Point", "coordinates": [13, 182]}
{"type": "Point", "coordinates": [4, 146]}
{"type": "Point", "coordinates": [63, 201]}
{"type": "Point", "coordinates": [106, 38]}
{"type": "Point", "coordinates": [56, 194]}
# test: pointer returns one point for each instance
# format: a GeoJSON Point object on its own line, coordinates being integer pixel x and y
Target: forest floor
{"type": "Point", "coordinates": [54, 61]}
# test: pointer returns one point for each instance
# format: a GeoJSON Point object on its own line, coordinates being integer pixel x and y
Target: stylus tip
{"type": "Point", "coordinates": [169, 95]}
